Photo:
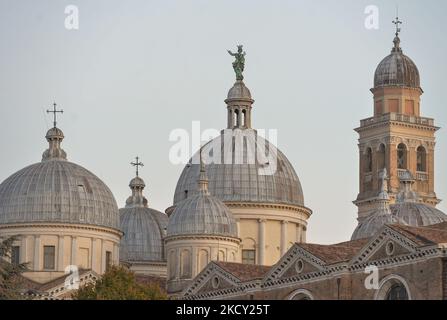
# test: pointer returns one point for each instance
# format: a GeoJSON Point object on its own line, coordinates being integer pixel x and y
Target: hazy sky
{"type": "Point", "coordinates": [136, 70]}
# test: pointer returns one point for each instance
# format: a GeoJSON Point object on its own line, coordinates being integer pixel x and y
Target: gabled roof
{"type": "Point", "coordinates": [244, 272]}
{"type": "Point", "coordinates": [334, 253]}
{"type": "Point", "coordinates": [424, 236]}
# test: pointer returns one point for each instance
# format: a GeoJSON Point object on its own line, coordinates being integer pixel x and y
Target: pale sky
{"type": "Point", "coordinates": [136, 70]}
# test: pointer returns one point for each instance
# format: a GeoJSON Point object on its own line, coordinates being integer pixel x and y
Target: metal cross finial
{"type": "Point", "coordinates": [137, 164]}
{"type": "Point", "coordinates": [54, 112]}
{"type": "Point", "coordinates": [397, 22]}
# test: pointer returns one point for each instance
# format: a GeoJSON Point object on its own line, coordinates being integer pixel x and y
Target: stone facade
{"type": "Point", "coordinates": [413, 258]}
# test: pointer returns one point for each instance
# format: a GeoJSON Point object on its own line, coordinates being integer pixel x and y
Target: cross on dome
{"type": "Point", "coordinates": [137, 164]}
{"type": "Point", "coordinates": [55, 112]}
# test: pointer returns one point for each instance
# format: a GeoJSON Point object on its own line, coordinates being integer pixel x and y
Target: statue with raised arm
{"type": "Point", "coordinates": [239, 63]}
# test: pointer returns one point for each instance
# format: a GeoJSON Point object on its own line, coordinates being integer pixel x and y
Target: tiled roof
{"type": "Point", "coordinates": [335, 252]}
{"type": "Point", "coordinates": [424, 236]}
{"type": "Point", "coordinates": [244, 272]}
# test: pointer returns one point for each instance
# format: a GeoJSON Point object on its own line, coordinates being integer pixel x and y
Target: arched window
{"type": "Point", "coordinates": [221, 256]}
{"type": "Point", "coordinates": [393, 287]}
{"type": "Point", "coordinates": [381, 157]}
{"type": "Point", "coordinates": [401, 156]}
{"type": "Point", "coordinates": [368, 160]}
{"type": "Point", "coordinates": [301, 294]}
{"type": "Point", "coordinates": [397, 292]}
{"type": "Point", "coordinates": [185, 264]}
{"type": "Point", "coordinates": [203, 259]}
{"type": "Point", "coordinates": [243, 118]}
{"type": "Point", "coordinates": [236, 118]}
{"type": "Point", "coordinates": [421, 159]}
{"type": "Point", "coordinates": [172, 264]}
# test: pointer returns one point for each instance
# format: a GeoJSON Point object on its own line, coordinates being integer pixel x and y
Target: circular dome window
{"type": "Point", "coordinates": [215, 282]}
{"type": "Point", "coordinates": [389, 248]}
{"type": "Point", "coordinates": [299, 266]}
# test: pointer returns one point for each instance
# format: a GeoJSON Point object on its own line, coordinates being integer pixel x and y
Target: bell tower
{"type": "Point", "coordinates": [397, 138]}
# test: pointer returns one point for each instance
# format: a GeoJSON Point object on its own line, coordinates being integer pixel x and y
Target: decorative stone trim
{"type": "Point", "coordinates": [64, 226]}
{"type": "Point", "coordinates": [202, 237]}
{"type": "Point", "coordinates": [275, 206]}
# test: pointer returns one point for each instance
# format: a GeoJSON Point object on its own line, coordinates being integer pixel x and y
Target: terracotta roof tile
{"type": "Point", "coordinates": [423, 236]}
{"type": "Point", "coordinates": [244, 272]}
{"type": "Point", "coordinates": [334, 253]}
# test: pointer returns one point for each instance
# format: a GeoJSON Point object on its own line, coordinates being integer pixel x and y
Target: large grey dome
{"type": "Point", "coordinates": [57, 191]}
{"type": "Point", "coordinates": [397, 70]}
{"type": "Point", "coordinates": [144, 228]}
{"type": "Point", "coordinates": [243, 181]}
{"type": "Point", "coordinates": [201, 213]}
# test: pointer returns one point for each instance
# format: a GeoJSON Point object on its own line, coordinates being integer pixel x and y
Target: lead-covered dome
{"type": "Point", "coordinates": [144, 228]}
{"type": "Point", "coordinates": [409, 209]}
{"type": "Point", "coordinates": [201, 213]}
{"type": "Point", "coordinates": [379, 216]}
{"type": "Point", "coordinates": [57, 191]}
{"type": "Point", "coordinates": [397, 69]}
{"type": "Point", "coordinates": [240, 172]}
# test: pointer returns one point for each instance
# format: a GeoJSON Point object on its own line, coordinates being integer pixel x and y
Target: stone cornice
{"type": "Point", "coordinates": [202, 237]}
{"type": "Point", "coordinates": [397, 123]}
{"type": "Point", "coordinates": [266, 205]}
{"type": "Point", "coordinates": [63, 226]}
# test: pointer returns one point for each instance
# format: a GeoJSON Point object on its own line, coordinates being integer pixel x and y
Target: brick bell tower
{"type": "Point", "coordinates": [397, 137]}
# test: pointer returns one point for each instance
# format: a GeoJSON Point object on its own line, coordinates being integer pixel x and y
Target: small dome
{"type": "Point", "coordinates": [54, 133]}
{"type": "Point", "coordinates": [397, 70]}
{"type": "Point", "coordinates": [204, 215]}
{"type": "Point", "coordinates": [137, 182]}
{"type": "Point", "coordinates": [144, 229]}
{"type": "Point", "coordinates": [409, 209]}
{"type": "Point", "coordinates": [417, 214]}
{"type": "Point", "coordinates": [239, 91]}
{"type": "Point", "coordinates": [368, 227]}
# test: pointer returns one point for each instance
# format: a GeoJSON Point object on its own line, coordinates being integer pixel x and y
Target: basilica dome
{"type": "Point", "coordinates": [144, 228]}
{"type": "Point", "coordinates": [57, 191]}
{"type": "Point", "coordinates": [397, 69]}
{"type": "Point", "coordinates": [244, 175]}
{"type": "Point", "coordinates": [202, 213]}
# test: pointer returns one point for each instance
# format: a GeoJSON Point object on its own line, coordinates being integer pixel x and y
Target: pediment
{"type": "Point", "coordinates": [378, 248]}
{"type": "Point", "coordinates": [297, 261]}
{"type": "Point", "coordinates": [212, 278]}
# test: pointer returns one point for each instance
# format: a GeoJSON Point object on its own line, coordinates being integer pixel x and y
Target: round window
{"type": "Point", "coordinates": [389, 248]}
{"type": "Point", "coordinates": [299, 266]}
{"type": "Point", "coordinates": [215, 282]}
